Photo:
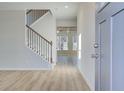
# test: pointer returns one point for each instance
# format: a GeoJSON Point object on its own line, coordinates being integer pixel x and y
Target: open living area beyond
{"type": "Point", "coordinates": [61, 46]}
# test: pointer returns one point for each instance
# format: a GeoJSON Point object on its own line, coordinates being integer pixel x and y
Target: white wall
{"type": "Point", "coordinates": [46, 26]}
{"type": "Point", "coordinates": [86, 27]}
{"type": "Point", "coordinates": [66, 22]}
{"type": "Point", "coordinates": [13, 52]}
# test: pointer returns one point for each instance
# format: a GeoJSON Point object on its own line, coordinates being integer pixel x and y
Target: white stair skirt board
{"type": "Point", "coordinates": [39, 19]}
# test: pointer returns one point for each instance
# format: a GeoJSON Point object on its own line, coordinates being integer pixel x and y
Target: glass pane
{"type": "Point", "coordinates": [74, 41]}
{"type": "Point", "coordinates": [62, 42]}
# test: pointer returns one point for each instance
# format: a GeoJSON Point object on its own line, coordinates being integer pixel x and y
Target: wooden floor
{"type": "Point", "coordinates": [61, 78]}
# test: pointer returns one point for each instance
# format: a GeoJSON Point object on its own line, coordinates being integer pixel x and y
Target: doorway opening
{"type": "Point", "coordinates": [67, 45]}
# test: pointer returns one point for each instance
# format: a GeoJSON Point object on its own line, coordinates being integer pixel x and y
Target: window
{"type": "Point", "coordinates": [66, 38]}
{"type": "Point", "coordinates": [79, 48]}
{"type": "Point", "coordinates": [62, 42]}
{"type": "Point", "coordinates": [74, 38]}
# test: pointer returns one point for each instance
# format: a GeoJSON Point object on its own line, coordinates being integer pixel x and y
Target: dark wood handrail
{"type": "Point", "coordinates": [29, 11]}
{"type": "Point", "coordinates": [39, 35]}
{"type": "Point", "coordinates": [32, 10]}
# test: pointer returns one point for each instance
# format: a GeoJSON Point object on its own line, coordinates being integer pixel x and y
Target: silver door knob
{"type": "Point", "coordinates": [96, 45]}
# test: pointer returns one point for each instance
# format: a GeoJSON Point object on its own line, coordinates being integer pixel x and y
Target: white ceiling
{"type": "Point", "coordinates": [58, 9]}
{"type": "Point", "coordinates": [66, 13]}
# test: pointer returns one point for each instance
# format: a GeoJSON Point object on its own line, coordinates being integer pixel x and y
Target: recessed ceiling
{"type": "Point", "coordinates": [61, 10]}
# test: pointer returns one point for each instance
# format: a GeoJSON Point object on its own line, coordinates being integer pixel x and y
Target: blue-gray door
{"type": "Point", "coordinates": [110, 51]}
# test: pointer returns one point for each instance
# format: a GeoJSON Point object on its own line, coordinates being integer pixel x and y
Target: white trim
{"type": "Point", "coordinates": [25, 69]}
{"type": "Point", "coordinates": [86, 80]}
{"type": "Point", "coordinates": [25, 29]}
{"type": "Point", "coordinates": [111, 54]}
{"type": "Point", "coordinates": [100, 6]}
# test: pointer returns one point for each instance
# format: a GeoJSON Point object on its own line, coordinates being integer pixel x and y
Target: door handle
{"type": "Point", "coordinates": [94, 56]}
{"type": "Point", "coordinates": [96, 45]}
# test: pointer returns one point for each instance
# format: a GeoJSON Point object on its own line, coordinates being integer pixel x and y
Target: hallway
{"type": "Point", "coordinates": [64, 77]}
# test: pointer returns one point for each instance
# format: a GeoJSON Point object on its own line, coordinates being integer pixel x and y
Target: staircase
{"type": "Point", "coordinates": [35, 41]}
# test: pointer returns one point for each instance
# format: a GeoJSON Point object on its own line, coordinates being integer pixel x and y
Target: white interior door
{"type": "Point", "coordinates": [103, 61]}
{"type": "Point", "coordinates": [104, 55]}
{"type": "Point", "coordinates": [118, 50]}
{"type": "Point", "coordinates": [109, 37]}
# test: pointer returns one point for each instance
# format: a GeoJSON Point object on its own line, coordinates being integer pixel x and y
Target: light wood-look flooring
{"type": "Point", "coordinates": [61, 78]}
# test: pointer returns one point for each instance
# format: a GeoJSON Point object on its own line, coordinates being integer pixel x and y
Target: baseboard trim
{"type": "Point", "coordinates": [25, 69]}
{"type": "Point", "coordinates": [86, 80]}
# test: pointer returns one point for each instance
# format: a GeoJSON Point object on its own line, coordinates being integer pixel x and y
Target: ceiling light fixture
{"type": "Point", "coordinates": [66, 6]}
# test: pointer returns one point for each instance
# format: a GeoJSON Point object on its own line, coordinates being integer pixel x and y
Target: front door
{"type": "Point", "coordinates": [110, 50]}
